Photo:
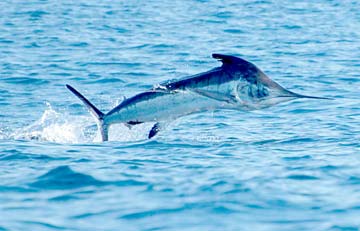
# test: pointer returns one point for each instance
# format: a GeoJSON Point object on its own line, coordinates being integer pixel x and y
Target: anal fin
{"type": "Point", "coordinates": [155, 130]}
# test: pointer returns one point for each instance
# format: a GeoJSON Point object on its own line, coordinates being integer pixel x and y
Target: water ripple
{"type": "Point", "coordinates": [302, 177]}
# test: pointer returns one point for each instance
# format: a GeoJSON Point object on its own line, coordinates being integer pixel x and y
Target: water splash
{"type": "Point", "coordinates": [62, 127]}
{"type": "Point", "coordinates": [54, 126]}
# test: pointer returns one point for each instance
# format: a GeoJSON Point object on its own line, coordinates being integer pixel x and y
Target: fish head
{"type": "Point", "coordinates": [255, 90]}
{"type": "Point", "coordinates": [260, 91]}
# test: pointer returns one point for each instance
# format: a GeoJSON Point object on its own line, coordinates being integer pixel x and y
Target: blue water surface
{"type": "Point", "coordinates": [295, 166]}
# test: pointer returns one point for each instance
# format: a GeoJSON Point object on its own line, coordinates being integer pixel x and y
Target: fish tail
{"type": "Point", "coordinates": [99, 116]}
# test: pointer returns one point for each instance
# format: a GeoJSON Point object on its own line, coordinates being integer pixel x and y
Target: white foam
{"type": "Point", "coordinates": [56, 127]}
{"type": "Point", "coordinates": [62, 127]}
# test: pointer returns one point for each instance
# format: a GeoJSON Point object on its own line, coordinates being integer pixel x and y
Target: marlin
{"type": "Point", "coordinates": [236, 85]}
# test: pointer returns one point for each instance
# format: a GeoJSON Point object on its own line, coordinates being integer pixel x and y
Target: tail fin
{"type": "Point", "coordinates": [99, 116]}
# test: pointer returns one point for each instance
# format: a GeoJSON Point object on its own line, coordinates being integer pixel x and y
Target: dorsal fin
{"type": "Point", "coordinates": [247, 70]}
{"type": "Point", "coordinates": [228, 59]}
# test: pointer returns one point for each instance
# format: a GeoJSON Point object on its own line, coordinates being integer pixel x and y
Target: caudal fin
{"type": "Point", "coordinates": [99, 116]}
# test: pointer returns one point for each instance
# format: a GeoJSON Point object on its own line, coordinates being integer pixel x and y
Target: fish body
{"type": "Point", "coordinates": [237, 84]}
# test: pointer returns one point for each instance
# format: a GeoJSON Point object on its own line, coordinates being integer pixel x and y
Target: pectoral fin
{"type": "Point", "coordinates": [215, 95]}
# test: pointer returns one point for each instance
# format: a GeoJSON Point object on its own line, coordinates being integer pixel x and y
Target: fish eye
{"type": "Point", "coordinates": [262, 91]}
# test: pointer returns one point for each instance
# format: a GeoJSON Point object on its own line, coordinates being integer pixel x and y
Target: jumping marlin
{"type": "Point", "coordinates": [237, 84]}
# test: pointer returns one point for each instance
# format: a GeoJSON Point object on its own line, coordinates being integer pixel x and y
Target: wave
{"type": "Point", "coordinates": [63, 177]}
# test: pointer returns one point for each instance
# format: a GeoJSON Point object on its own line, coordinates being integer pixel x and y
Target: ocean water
{"type": "Point", "coordinates": [295, 166]}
